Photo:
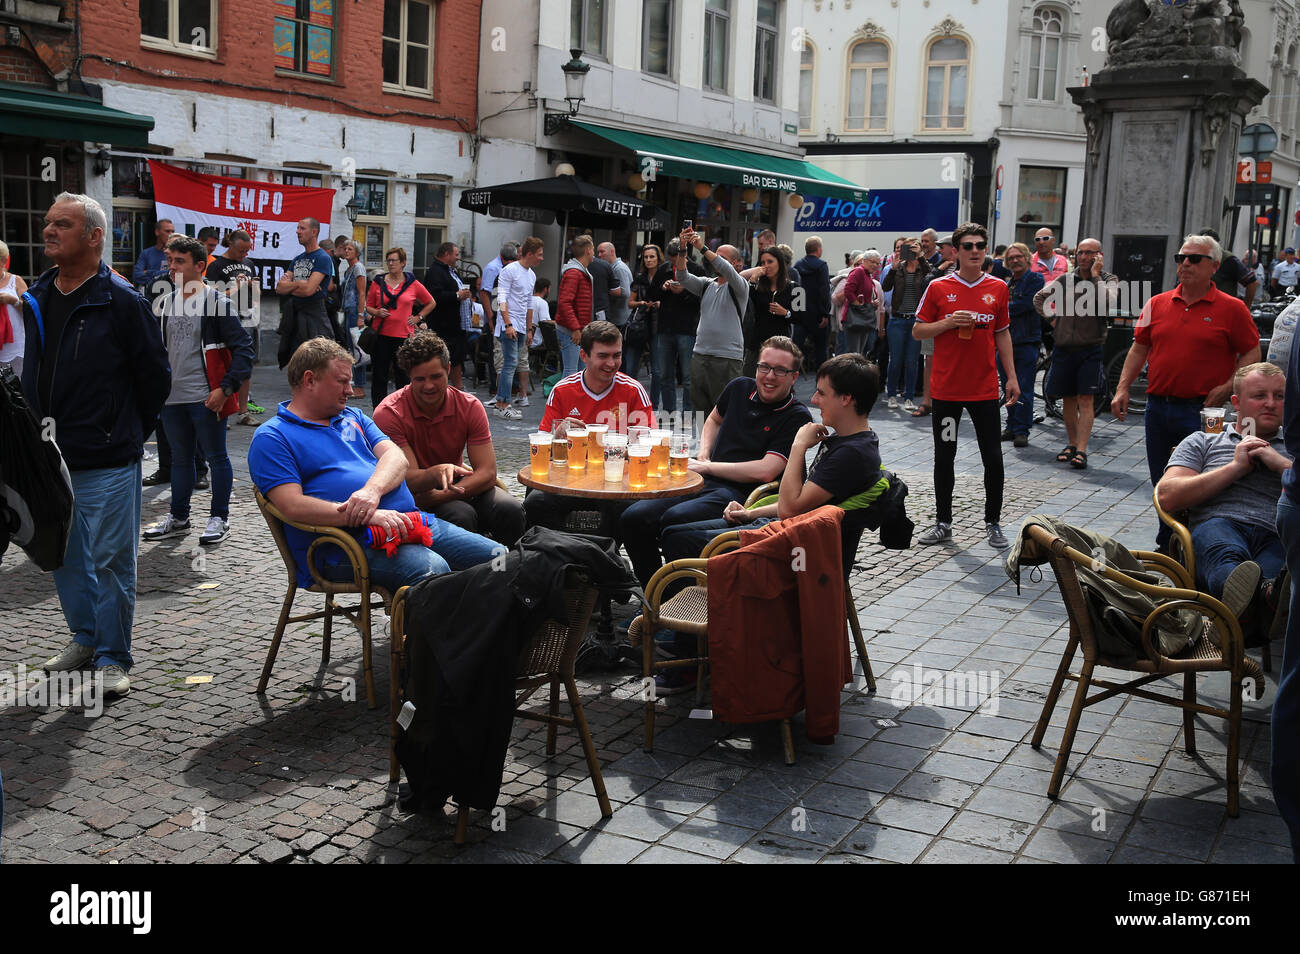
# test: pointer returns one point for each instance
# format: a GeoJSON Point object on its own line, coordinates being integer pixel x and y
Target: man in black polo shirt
{"type": "Point", "coordinates": [745, 442]}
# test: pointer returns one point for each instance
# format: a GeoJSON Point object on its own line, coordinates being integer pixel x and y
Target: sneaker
{"type": "Point", "coordinates": [1020, 440]}
{"type": "Point", "coordinates": [201, 483]}
{"type": "Point", "coordinates": [509, 413]}
{"type": "Point", "coordinates": [158, 477]}
{"type": "Point", "coordinates": [168, 526]}
{"type": "Point", "coordinates": [74, 656]}
{"type": "Point", "coordinates": [893, 403]}
{"type": "Point", "coordinates": [248, 420]}
{"type": "Point", "coordinates": [115, 681]}
{"type": "Point", "coordinates": [939, 533]}
{"type": "Point", "coordinates": [521, 402]}
{"type": "Point", "coordinates": [672, 681]}
{"type": "Point", "coordinates": [1008, 436]}
{"type": "Point", "coordinates": [908, 405]}
{"type": "Point", "coordinates": [215, 531]}
{"type": "Point", "coordinates": [996, 538]}
{"type": "Point", "coordinates": [256, 408]}
{"type": "Point", "coordinates": [1240, 587]}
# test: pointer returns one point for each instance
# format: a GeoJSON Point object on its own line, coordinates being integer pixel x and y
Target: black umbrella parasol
{"type": "Point", "coordinates": [578, 202]}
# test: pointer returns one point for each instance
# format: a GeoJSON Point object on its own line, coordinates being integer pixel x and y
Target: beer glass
{"type": "Point", "coordinates": [577, 448]}
{"type": "Point", "coordinates": [615, 451]}
{"type": "Point", "coordinates": [560, 443]}
{"type": "Point", "coordinates": [539, 453]}
{"type": "Point", "coordinates": [659, 452]}
{"type": "Point", "coordinates": [679, 455]}
{"type": "Point", "coordinates": [1212, 419]}
{"type": "Point", "coordinates": [596, 443]}
{"type": "Point", "coordinates": [638, 465]}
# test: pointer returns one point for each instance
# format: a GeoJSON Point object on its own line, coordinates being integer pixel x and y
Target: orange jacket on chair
{"type": "Point", "coordinates": [777, 638]}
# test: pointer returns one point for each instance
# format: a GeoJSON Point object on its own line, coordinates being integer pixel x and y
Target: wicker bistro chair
{"type": "Point", "coordinates": [546, 660]}
{"type": "Point", "coordinates": [687, 611]}
{"type": "Point", "coordinates": [1204, 656]}
{"type": "Point", "coordinates": [359, 584]}
{"type": "Point", "coordinates": [1181, 550]}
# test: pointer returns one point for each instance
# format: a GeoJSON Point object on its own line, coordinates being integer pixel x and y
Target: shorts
{"type": "Point", "coordinates": [927, 346]}
{"type": "Point", "coordinates": [1074, 371]}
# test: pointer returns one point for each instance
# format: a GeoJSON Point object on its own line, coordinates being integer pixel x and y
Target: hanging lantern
{"type": "Point", "coordinates": [795, 200]}
{"type": "Point", "coordinates": [703, 190]}
{"type": "Point", "coordinates": [565, 169]}
{"type": "Point", "coordinates": [750, 196]}
{"type": "Point", "coordinates": [635, 182]}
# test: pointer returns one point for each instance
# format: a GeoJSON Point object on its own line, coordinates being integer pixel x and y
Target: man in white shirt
{"type": "Point", "coordinates": [515, 321]}
{"type": "Point", "coordinates": [1286, 273]}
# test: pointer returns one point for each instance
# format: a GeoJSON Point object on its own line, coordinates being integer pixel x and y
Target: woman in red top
{"type": "Point", "coordinates": [390, 310]}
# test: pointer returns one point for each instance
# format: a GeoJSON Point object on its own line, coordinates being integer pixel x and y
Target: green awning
{"type": "Point", "coordinates": [693, 160]}
{"type": "Point", "coordinates": [46, 114]}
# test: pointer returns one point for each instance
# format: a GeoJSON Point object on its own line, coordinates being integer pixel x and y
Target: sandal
{"type": "Point", "coordinates": [1079, 461]}
{"type": "Point", "coordinates": [921, 411]}
{"type": "Point", "coordinates": [1065, 455]}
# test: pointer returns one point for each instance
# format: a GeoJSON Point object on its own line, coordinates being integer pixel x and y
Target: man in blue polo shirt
{"type": "Point", "coordinates": [321, 462]}
{"type": "Point", "coordinates": [745, 442]}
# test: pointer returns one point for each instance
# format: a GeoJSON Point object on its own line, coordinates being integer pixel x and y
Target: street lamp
{"type": "Point", "coordinates": [352, 208]}
{"type": "Point", "coordinates": [575, 78]}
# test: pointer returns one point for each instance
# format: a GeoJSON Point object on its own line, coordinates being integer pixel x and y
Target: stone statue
{"type": "Point", "coordinates": [1148, 32]}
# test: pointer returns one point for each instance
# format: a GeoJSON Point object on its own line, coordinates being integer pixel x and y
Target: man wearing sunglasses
{"type": "Point", "coordinates": [1192, 340]}
{"type": "Point", "coordinates": [1046, 261]}
{"type": "Point", "coordinates": [966, 313]}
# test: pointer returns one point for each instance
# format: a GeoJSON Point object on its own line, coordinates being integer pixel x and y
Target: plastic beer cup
{"type": "Point", "coordinates": [539, 453]}
{"type": "Point", "coordinates": [596, 443]}
{"type": "Point", "coordinates": [615, 451]}
{"type": "Point", "coordinates": [638, 465]}
{"type": "Point", "coordinates": [679, 455]}
{"type": "Point", "coordinates": [577, 448]}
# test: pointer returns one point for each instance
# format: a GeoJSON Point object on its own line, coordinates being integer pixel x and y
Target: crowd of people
{"type": "Point", "coordinates": [416, 481]}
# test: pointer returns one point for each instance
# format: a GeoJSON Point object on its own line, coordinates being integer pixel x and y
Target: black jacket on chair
{"type": "Point", "coordinates": [464, 634]}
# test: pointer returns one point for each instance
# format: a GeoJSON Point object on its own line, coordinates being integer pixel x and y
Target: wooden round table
{"type": "Point", "coordinates": [590, 483]}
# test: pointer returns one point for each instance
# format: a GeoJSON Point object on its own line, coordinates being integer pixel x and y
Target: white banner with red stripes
{"type": "Point", "coordinates": [267, 211]}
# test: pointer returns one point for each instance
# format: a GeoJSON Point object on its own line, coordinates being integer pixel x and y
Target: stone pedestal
{"type": "Point", "coordinates": [1162, 159]}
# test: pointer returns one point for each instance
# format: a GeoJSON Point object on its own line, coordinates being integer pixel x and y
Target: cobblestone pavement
{"type": "Point", "coordinates": [208, 771]}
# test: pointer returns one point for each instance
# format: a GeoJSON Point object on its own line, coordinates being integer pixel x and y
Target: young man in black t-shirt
{"type": "Point", "coordinates": [847, 463]}
{"type": "Point", "coordinates": [745, 442]}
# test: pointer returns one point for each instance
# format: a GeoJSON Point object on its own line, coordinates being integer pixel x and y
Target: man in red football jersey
{"type": "Point", "coordinates": [598, 394]}
{"type": "Point", "coordinates": [965, 313]}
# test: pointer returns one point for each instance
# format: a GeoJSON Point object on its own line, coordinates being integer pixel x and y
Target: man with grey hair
{"type": "Point", "coordinates": [1191, 340]}
{"type": "Point", "coordinates": [618, 296]}
{"type": "Point", "coordinates": [930, 248]}
{"type": "Point", "coordinates": [719, 355]}
{"type": "Point", "coordinates": [95, 365]}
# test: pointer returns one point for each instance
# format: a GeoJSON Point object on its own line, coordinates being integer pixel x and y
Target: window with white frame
{"type": "Point", "coordinates": [408, 46]}
{"type": "Point", "coordinates": [1045, 54]}
{"type": "Point", "coordinates": [765, 50]}
{"type": "Point", "coordinates": [657, 37]}
{"type": "Point", "coordinates": [717, 27]}
{"type": "Point", "coordinates": [430, 221]}
{"type": "Point", "coordinates": [587, 26]}
{"type": "Point", "coordinates": [806, 59]}
{"type": "Point", "coordinates": [947, 64]}
{"type": "Point", "coordinates": [868, 103]}
{"type": "Point", "coordinates": [374, 220]}
{"type": "Point", "coordinates": [181, 26]}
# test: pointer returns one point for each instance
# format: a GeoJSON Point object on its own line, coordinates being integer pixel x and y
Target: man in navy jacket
{"type": "Point", "coordinates": [96, 369]}
{"type": "Point", "coordinates": [815, 279]}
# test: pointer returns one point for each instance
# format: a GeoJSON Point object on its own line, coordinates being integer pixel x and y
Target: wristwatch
{"type": "Point", "coordinates": [226, 390]}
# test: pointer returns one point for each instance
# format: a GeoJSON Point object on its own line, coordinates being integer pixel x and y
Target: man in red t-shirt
{"type": "Point", "coordinates": [965, 312]}
{"type": "Point", "coordinates": [1192, 341]}
{"type": "Point", "coordinates": [435, 425]}
{"type": "Point", "coordinates": [598, 394]}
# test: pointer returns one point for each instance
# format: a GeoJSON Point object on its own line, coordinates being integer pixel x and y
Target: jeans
{"type": "Point", "coordinates": [510, 360]}
{"type": "Point", "coordinates": [189, 426]}
{"type": "Point", "coordinates": [1166, 424]}
{"type": "Point", "coordinates": [453, 549]}
{"type": "Point", "coordinates": [96, 583]}
{"type": "Point", "coordinates": [673, 354]}
{"type": "Point", "coordinates": [984, 415]}
{"type": "Point", "coordinates": [861, 340]}
{"type": "Point", "coordinates": [382, 361]}
{"type": "Point", "coordinates": [1221, 544]}
{"type": "Point", "coordinates": [642, 523]}
{"type": "Point", "coordinates": [1286, 704]}
{"type": "Point", "coordinates": [570, 351]}
{"type": "Point", "coordinates": [686, 540]}
{"type": "Point", "coordinates": [1020, 416]}
{"type": "Point", "coordinates": [904, 350]}
{"type": "Point", "coordinates": [165, 452]}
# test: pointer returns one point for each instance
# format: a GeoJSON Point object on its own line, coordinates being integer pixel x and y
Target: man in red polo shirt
{"type": "Point", "coordinates": [435, 424]}
{"type": "Point", "coordinates": [1192, 340]}
{"type": "Point", "coordinates": [965, 312]}
{"type": "Point", "coordinates": [598, 394]}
